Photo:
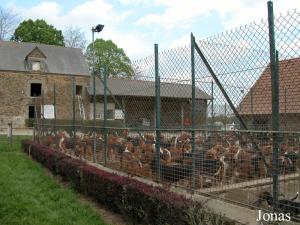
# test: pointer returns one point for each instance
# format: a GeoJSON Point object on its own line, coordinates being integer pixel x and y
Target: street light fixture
{"type": "Point", "coordinates": [96, 29]}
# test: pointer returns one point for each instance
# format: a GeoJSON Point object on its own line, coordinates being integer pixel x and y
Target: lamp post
{"type": "Point", "coordinates": [98, 28]}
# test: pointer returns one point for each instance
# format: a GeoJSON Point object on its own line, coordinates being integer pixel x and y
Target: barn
{"type": "Point", "coordinates": [256, 106]}
{"type": "Point", "coordinates": [28, 72]}
{"type": "Point", "coordinates": [133, 102]}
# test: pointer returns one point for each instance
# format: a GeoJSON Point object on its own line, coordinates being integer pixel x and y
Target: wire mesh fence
{"type": "Point", "coordinates": [10, 137]}
{"type": "Point", "coordinates": [6, 134]}
{"type": "Point", "coordinates": [200, 117]}
{"type": "Point", "coordinates": [226, 165]}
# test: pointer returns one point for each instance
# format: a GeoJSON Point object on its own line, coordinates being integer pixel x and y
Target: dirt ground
{"type": "Point", "coordinates": [108, 216]}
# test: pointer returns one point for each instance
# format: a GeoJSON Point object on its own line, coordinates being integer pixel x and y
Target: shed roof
{"type": "Point", "coordinates": [289, 91]}
{"type": "Point", "coordinates": [141, 88]}
{"type": "Point", "coordinates": [59, 60]}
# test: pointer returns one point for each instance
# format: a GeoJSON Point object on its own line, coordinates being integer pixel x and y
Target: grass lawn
{"type": "Point", "coordinates": [16, 144]}
{"type": "Point", "coordinates": [29, 197]}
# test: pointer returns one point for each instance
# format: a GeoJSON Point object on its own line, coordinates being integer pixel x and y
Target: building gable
{"type": "Point", "coordinates": [258, 101]}
{"type": "Point", "coordinates": [36, 53]}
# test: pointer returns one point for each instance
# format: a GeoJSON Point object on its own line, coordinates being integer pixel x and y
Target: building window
{"type": "Point", "coordinates": [35, 89]}
{"type": "Point", "coordinates": [36, 66]}
{"type": "Point", "coordinates": [31, 112]}
{"type": "Point", "coordinates": [78, 90]}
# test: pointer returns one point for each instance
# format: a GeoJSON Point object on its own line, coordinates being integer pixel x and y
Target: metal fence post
{"type": "Point", "coordinates": [105, 74]}
{"type": "Point", "coordinates": [225, 114]}
{"type": "Point", "coordinates": [34, 121]}
{"type": "Point", "coordinates": [54, 105]}
{"type": "Point", "coordinates": [212, 105]}
{"type": "Point", "coordinates": [43, 116]}
{"type": "Point", "coordinates": [9, 133]}
{"type": "Point", "coordinates": [193, 107]}
{"type": "Point", "coordinates": [275, 102]}
{"type": "Point", "coordinates": [251, 108]}
{"type": "Point", "coordinates": [94, 113]}
{"type": "Point", "coordinates": [157, 112]}
{"type": "Point", "coordinates": [37, 124]}
{"type": "Point", "coordinates": [285, 111]}
{"type": "Point", "coordinates": [73, 113]}
{"type": "Point", "coordinates": [34, 130]}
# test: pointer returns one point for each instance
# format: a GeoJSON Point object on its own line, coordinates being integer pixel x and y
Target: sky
{"type": "Point", "coordinates": [135, 25]}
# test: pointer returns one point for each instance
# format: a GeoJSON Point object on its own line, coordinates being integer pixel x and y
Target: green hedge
{"type": "Point", "coordinates": [138, 202]}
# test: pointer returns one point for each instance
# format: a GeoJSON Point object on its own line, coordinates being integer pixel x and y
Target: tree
{"type": "Point", "coordinates": [8, 23]}
{"type": "Point", "coordinates": [74, 38]}
{"type": "Point", "coordinates": [38, 31]}
{"type": "Point", "coordinates": [108, 56]}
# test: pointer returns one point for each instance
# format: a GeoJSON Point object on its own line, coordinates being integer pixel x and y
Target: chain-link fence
{"type": "Point", "coordinates": [6, 134]}
{"type": "Point", "coordinates": [11, 136]}
{"type": "Point", "coordinates": [219, 117]}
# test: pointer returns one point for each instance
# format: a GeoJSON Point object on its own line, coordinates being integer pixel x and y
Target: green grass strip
{"type": "Point", "coordinates": [29, 197]}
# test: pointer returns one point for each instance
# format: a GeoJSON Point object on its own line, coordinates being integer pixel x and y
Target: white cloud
{"type": "Point", "coordinates": [182, 41]}
{"type": "Point", "coordinates": [49, 9]}
{"type": "Point", "coordinates": [162, 27]}
{"type": "Point", "coordinates": [85, 16]}
{"type": "Point", "coordinates": [133, 43]}
{"type": "Point", "coordinates": [82, 15]}
{"type": "Point", "coordinates": [245, 11]}
{"type": "Point", "coordinates": [239, 11]}
{"type": "Point", "coordinates": [132, 1]}
{"type": "Point", "coordinates": [176, 12]}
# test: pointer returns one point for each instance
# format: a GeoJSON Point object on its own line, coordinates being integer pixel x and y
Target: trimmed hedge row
{"type": "Point", "coordinates": [138, 202]}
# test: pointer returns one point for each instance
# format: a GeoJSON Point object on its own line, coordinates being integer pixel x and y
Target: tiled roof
{"type": "Point", "coordinates": [126, 87]}
{"type": "Point", "coordinates": [58, 59]}
{"type": "Point", "coordinates": [289, 91]}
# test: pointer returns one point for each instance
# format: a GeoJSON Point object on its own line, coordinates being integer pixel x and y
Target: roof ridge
{"type": "Point", "coordinates": [38, 44]}
{"type": "Point", "coordinates": [122, 79]}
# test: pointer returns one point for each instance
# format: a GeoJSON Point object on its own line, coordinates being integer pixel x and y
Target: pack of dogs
{"type": "Point", "coordinates": [219, 159]}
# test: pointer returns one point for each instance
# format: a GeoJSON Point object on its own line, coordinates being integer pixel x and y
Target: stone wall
{"type": "Point", "coordinates": [15, 96]}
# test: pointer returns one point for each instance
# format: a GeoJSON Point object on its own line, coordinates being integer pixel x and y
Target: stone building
{"type": "Point", "coordinates": [28, 72]}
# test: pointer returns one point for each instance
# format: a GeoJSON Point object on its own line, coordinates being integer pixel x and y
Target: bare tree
{"type": "Point", "coordinates": [74, 38]}
{"type": "Point", "coordinates": [8, 23]}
